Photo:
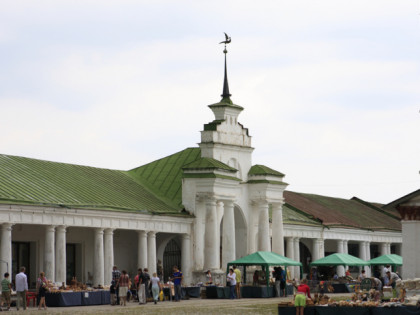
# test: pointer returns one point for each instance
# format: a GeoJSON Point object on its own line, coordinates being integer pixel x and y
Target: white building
{"type": "Point", "coordinates": [200, 208]}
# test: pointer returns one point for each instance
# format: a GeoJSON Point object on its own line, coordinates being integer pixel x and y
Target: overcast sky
{"type": "Point", "coordinates": [330, 88]}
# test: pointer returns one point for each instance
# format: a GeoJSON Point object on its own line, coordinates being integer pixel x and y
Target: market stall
{"type": "Point", "coordinates": [80, 298]}
{"type": "Point", "coordinates": [384, 260]}
{"type": "Point", "coordinates": [265, 260]}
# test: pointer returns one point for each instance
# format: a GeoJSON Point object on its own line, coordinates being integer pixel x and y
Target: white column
{"type": "Point", "coordinates": [60, 255]}
{"type": "Point", "coordinates": [317, 248]}
{"type": "Point", "coordinates": [218, 238]}
{"type": "Point", "coordinates": [345, 246]}
{"type": "Point", "coordinates": [340, 250]}
{"type": "Point", "coordinates": [277, 228]}
{"type": "Point", "coordinates": [98, 257]}
{"type": "Point", "coordinates": [383, 249]}
{"type": "Point", "coordinates": [142, 249]}
{"type": "Point", "coordinates": [6, 249]}
{"type": "Point", "coordinates": [263, 228]}
{"type": "Point", "coordinates": [368, 273]}
{"type": "Point", "coordinates": [362, 252]}
{"type": "Point", "coordinates": [211, 252]}
{"type": "Point", "coordinates": [199, 230]}
{"type": "Point", "coordinates": [151, 252]}
{"type": "Point", "coordinates": [186, 258]}
{"type": "Point", "coordinates": [290, 253]}
{"type": "Point", "coordinates": [228, 246]}
{"type": "Point", "coordinates": [297, 256]}
{"type": "Point", "coordinates": [253, 229]}
{"type": "Point", "coordinates": [108, 255]}
{"type": "Point", "coordinates": [49, 253]}
{"type": "Point", "coordinates": [388, 250]}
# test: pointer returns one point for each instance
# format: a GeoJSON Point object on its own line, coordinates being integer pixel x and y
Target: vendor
{"type": "Point", "coordinates": [300, 299]}
{"type": "Point", "coordinates": [393, 277]}
{"type": "Point", "coordinates": [378, 284]}
{"type": "Point", "coordinates": [362, 275]}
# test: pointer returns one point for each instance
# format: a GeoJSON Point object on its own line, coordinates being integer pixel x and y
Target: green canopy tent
{"type": "Point", "coordinates": [264, 259]}
{"type": "Point", "coordinates": [391, 259]}
{"type": "Point", "coordinates": [339, 259]}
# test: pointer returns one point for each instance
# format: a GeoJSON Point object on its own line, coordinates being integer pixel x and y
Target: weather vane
{"type": "Point", "coordinates": [226, 41]}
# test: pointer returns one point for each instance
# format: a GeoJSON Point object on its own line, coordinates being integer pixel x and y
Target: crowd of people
{"type": "Point", "coordinates": [143, 287]}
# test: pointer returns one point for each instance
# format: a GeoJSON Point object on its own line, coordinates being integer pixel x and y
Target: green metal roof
{"type": "Point", "coordinates": [263, 170]}
{"type": "Point", "coordinates": [340, 212]}
{"type": "Point", "coordinates": [31, 181]}
{"type": "Point", "coordinates": [293, 216]}
{"type": "Point", "coordinates": [164, 177]}
{"type": "Point", "coordinates": [205, 163]}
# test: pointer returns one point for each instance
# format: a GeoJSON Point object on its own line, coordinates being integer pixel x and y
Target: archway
{"type": "Point", "coordinates": [241, 234]}
{"type": "Point", "coordinates": [171, 257]}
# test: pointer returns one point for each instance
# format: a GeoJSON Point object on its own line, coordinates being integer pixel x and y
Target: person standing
{"type": "Point", "coordinates": [116, 274]}
{"type": "Point", "coordinates": [42, 285]}
{"type": "Point", "coordinates": [156, 287]}
{"type": "Point", "coordinates": [123, 283]}
{"type": "Point", "coordinates": [21, 282]}
{"type": "Point", "coordinates": [282, 281]}
{"type": "Point", "coordinates": [6, 287]}
{"type": "Point", "coordinates": [300, 299]}
{"type": "Point", "coordinates": [177, 278]}
{"type": "Point", "coordinates": [238, 281]}
{"type": "Point", "coordinates": [231, 278]}
{"type": "Point", "coordinates": [276, 275]}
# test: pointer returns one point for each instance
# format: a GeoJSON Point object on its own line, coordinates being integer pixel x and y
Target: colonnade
{"type": "Point", "coordinates": [54, 252]}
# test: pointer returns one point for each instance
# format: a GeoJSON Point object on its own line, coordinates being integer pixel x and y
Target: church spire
{"type": "Point", "coordinates": [226, 95]}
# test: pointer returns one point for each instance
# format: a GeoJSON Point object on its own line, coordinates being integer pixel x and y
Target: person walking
{"type": "Point", "coordinates": [177, 278]}
{"type": "Point", "coordinates": [238, 281]}
{"type": "Point", "coordinates": [123, 283]}
{"type": "Point", "coordinates": [21, 282]}
{"type": "Point", "coordinates": [146, 278]}
{"type": "Point", "coordinates": [6, 288]}
{"type": "Point", "coordinates": [156, 287]}
{"type": "Point", "coordinates": [141, 288]}
{"type": "Point", "coordinates": [231, 279]}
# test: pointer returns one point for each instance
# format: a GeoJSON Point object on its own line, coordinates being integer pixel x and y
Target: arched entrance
{"type": "Point", "coordinates": [241, 235]}
{"type": "Point", "coordinates": [171, 257]}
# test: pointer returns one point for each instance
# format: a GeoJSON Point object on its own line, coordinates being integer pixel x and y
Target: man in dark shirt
{"type": "Point", "coordinates": [116, 274]}
{"type": "Point", "coordinates": [177, 278]}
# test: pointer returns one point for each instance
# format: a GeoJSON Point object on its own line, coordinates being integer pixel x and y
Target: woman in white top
{"type": "Point", "coordinates": [156, 286]}
{"type": "Point", "coordinates": [231, 278]}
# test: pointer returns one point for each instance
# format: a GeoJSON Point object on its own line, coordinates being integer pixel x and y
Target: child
{"type": "Point", "coordinates": [5, 290]}
{"type": "Point", "coordinates": [113, 294]}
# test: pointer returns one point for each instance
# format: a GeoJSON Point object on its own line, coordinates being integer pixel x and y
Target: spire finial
{"type": "Point", "coordinates": [226, 95]}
